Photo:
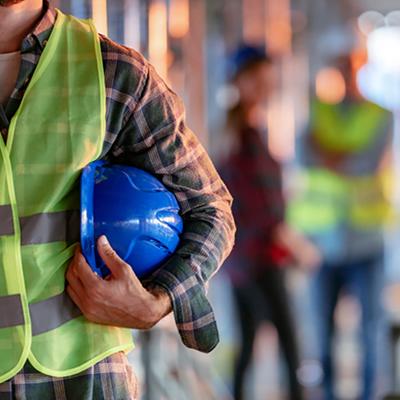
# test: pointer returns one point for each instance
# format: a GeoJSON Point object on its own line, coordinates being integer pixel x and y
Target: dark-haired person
{"type": "Point", "coordinates": [264, 243]}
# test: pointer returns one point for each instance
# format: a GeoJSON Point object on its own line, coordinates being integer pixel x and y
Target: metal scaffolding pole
{"type": "Point", "coordinates": [196, 71]}
{"type": "Point", "coordinates": [132, 23]}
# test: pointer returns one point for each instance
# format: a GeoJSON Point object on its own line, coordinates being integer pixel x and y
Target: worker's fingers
{"type": "Point", "coordinates": [72, 276]}
{"type": "Point", "coordinates": [118, 267]}
{"type": "Point", "coordinates": [82, 269]}
{"type": "Point", "coordinates": [74, 281]}
{"type": "Point", "coordinates": [75, 297]}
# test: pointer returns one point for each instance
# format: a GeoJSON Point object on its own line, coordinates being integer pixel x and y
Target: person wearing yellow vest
{"type": "Point", "coordinates": [342, 207]}
{"type": "Point", "coordinates": [78, 97]}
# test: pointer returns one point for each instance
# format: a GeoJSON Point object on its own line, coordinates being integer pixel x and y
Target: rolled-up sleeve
{"type": "Point", "coordinates": [155, 137]}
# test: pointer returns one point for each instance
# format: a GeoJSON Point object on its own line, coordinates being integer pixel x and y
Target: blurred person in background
{"type": "Point", "coordinates": [264, 243]}
{"type": "Point", "coordinates": [342, 208]}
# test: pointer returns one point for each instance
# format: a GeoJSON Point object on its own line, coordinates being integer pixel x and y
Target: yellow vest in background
{"type": "Point", "coordinates": [328, 198]}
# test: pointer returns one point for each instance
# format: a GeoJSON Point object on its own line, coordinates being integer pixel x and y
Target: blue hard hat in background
{"type": "Point", "coordinates": [139, 216]}
{"type": "Point", "coordinates": [244, 56]}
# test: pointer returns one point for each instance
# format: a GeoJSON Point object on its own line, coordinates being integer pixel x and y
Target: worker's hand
{"type": "Point", "coordinates": [121, 299]}
{"type": "Point", "coordinates": [304, 253]}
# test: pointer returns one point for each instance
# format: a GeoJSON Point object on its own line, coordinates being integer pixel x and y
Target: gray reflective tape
{"type": "Point", "coordinates": [51, 313]}
{"type": "Point", "coordinates": [50, 227]}
{"type": "Point", "coordinates": [11, 311]}
{"type": "Point", "coordinates": [6, 220]}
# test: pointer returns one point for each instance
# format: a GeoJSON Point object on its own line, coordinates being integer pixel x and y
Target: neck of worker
{"type": "Point", "coordinates": [16, 22]}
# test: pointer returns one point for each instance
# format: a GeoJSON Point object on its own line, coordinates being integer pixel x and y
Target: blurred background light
{"type": "Point", "coordinates": [310, 373]}
{"type": "Point", "coordinates": [227, 96]}
{"type": "Point", "coordinates": [383, 47]}
{"type": "Point", "coordinates": [281, 126]}
{"type": "Point", "coordinates": [158, 40]}
{"type": "Point", "coordinates": [393, 18]}
{"type": "Point", "coordinates": [99, 15]}
{"type": "Point", "coordinates": [369, 21]}
{"type": "Point", "coordinates": [278, 29]}
{"type": "Point", "coordinates": [178, 18]}
{"type": "Point", "coordinates": [380, 86]}
{"type": "Point", "coordinates": [330, 85]}
{"type": "Point", "coordinates": [379, 79]}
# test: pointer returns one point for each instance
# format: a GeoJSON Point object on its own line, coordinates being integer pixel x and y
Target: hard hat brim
{"type": "Point", "coordinates": [88, 244]}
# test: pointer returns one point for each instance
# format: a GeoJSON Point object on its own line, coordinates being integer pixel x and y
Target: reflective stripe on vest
{"type": "Point", "coordinates": [50, 227]}
{"type": "Point", "coordinates": [320, 203]}
{"type": "Point", "coordinates": [329, 200]}
{"type": "Point", "coordinates": [43, 228]}
{"type": "Point", "coordinates": [45, 315]}
{"type": "Point", "coordinates": [11, 313]}
{"type": "Point", "coordinates": [6, 221]}
{"type": "Point", "coordinates": [52, 313]}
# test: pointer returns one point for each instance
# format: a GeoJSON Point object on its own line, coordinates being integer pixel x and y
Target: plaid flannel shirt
{"type": "Point", "coordinates": [146, 128]}
{"type": "Point", "coordinates": [255, 180]}
{"type": "Point", "coordinates": [111, 378]}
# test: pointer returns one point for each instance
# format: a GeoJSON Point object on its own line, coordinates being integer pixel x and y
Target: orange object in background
{"type": "Point", "coordinates": [158, 39]}
{"type": "Point", "coordinates": [330, 85]}
{"type": "Point", "coordinates": [179, 18]}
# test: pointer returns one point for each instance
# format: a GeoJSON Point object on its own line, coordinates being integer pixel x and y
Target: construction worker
{"type": "Point", "coordinates": [265, 244]}
{"type": "Point", "coordinates": [341, 206]}
{"type": "Point", "coordinates": [69, 96]}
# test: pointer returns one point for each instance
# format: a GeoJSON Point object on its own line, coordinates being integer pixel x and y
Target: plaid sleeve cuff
{"type": "Point", "coordinates": [193, 313]}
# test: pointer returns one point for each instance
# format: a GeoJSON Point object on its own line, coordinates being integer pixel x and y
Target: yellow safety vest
{"type": "Point", "coordinates": [328, 199]}
{"type": "Point", "coordinates": [58, 129]}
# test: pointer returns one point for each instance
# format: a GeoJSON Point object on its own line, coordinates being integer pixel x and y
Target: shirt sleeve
{"type": "Point", "coordinates": [155, 138]}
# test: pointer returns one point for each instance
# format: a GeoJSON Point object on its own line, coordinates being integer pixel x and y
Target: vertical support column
{"type": "Point", "coordinates": [253, 21]}
{"type": "Point", "coordinates": [99, 15]}
{"type": "Point", "coordinates": [281, 120]}
{"type": "Point", "coordinates": [178, 18]}
{"type": "Point", "coordinates": [132, 23]}
{"type": "Point", "coordinates": [278, 30]}
{"type": "Point", "coordinates": [232, 24]}
{"type": "Point", "coordinates": [158, 37]}
{"type": "Point", "coordinates": [196, 70]}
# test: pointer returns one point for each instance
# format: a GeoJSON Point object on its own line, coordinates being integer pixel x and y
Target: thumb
{"type": "Point", "coordinates": [117, 266]}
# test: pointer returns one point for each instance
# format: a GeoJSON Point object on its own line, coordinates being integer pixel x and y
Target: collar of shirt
{"type": "Point", "coordinates": [31, 49]}
{"type": "Point", "coordinates": [37, 39]}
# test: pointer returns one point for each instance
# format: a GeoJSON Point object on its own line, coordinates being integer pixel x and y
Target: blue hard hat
{"type": "Point", "coordinates": [244, 56]}
{"type": "Point", "coordinates": [139, 216]}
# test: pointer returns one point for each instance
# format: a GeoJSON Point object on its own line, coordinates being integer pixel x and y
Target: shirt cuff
{"type": "Point", "coordinates": [193, 313]}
